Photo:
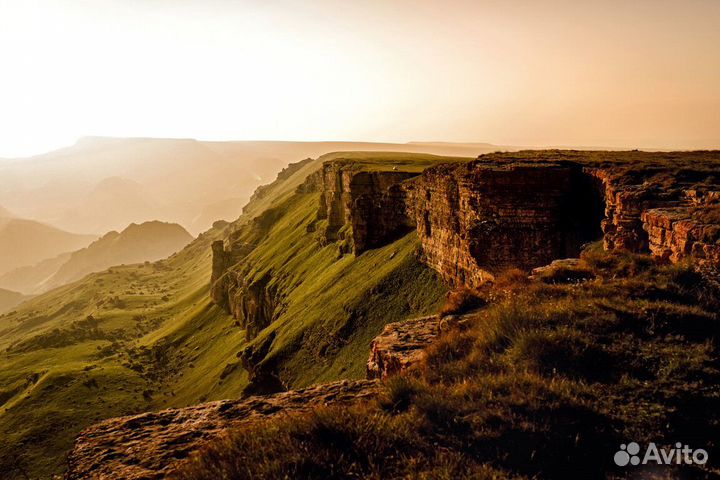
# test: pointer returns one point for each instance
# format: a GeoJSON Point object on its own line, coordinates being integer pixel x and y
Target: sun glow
{"type": "Point", "coordinates": [503, 72]}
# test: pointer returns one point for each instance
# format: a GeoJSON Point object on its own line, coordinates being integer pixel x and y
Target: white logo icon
{"type": "Point", "coordinates": [628, 454]}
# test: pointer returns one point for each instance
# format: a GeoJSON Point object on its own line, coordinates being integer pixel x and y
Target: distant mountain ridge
{"type": "Point", "coordinates": [31, 279]}
{"type": "Point", "coordinates": [148, 241]}
{"type": "Point", "coordinates": [27, 242]}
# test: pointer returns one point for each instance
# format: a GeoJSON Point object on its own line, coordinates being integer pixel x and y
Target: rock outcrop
{"type": "Point", "coordinates": [480, 218]}
{"type": "Point", "coordinates": [688, 231]}
{"type": "Point", "coordinates": [525, 209]}
{"type": "Point", "coordinates": [370, 202]}
{"type": "Point", "coordinates": [152, 445]}
{"type": "Point", "coordinates": [477, 218]}
{"type": "Point", "coordinates": [254, 302]}
{"type": "Point", "coordinates": [522, 210]}
{"type": "Point", "coordinates": [225, 254]}
{"type": "Point", "coordinates": [402, 344]}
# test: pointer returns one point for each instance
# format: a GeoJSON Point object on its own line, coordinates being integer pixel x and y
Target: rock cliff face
{"type": "Point", "coordinates": [480, 218]}
{"type": "Point", "coordinates": [402, 344]}
{"type": "Point", "coordinates": [225, 255]}
{"type": "Point", "coordinates": [688, 231]}
{"type": "Point", "coordinates": [253, 302]}
{"type": "Point", "coordinates": [152, 445]}
{"type": "Point", "coordinates": [522, 210]}
{"type": "Point", "coordinates": [370, 202]}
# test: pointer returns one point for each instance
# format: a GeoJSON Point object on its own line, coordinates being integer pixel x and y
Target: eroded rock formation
{"type": "Point", "coordinates": [480, 218]}
{"type": "Point", "coordinates": [526, 209]}
{"type": "Point", "coordinates": [254, 302]}
{"type": "Point", "coordinates": [688, 231]}
{"type": "Point", "coordinates": [370, 202]}
{"type": "Point", "coordinates": [152, 445]}
{"type": "Point", "coordinates": [477, 218]}
{"type": "Point", "coordinates": [402, 344]}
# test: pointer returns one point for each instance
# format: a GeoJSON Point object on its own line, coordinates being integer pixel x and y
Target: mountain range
{"type": "Point", "coordinates": [148, 241]}
{"type": "Point", "coordinates": [27, 242]}
{"type": "Point", "coordinates": [442, 284]}
{"type": "Point", "coordinates": [101, 184]}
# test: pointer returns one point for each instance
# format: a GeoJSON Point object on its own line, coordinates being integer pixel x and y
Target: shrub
{"type": "Point", "coordinates": [461, 301]}
{"type": "Point", "coordinates": [510, 281]}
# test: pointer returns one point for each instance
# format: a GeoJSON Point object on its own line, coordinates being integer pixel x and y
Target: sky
{"type": "Point", "coordinates": [611, 73]}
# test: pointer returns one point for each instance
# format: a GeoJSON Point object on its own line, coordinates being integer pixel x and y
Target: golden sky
{"type": "Point", "coordinates": [535, 73]}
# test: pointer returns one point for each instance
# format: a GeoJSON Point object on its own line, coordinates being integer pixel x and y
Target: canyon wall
{"type": "Point", "coordinates": [521, 210]}
{"type": "Point", "coordinates": [477, 219]}
{"type": "Point", "coordinates": [370, 202]}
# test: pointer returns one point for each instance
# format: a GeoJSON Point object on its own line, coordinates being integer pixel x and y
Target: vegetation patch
{"type": "Point", "coordinates": [546, 382]}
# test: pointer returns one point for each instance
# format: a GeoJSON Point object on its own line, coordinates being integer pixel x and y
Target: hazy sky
{"type": "Point", "coordinates": [593, 73]}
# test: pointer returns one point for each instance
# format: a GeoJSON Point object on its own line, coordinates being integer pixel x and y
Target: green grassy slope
{"type": "Point", "coordinates": [141, 337]}
{"type": "Point", "coordinates": [333, 305]}
{"type": "Point", "coordinates": [100, 347]}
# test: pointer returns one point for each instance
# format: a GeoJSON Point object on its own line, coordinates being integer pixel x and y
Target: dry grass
{"type": "Point", "coordinates": [461, 301]}
{"type": "Point", "coordinates": [545, 383]}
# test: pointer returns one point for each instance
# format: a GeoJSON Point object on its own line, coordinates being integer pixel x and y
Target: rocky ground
{"type": "Point", "coordinates": [152, 445]}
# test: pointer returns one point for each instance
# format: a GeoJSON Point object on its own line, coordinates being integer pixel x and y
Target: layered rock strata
{"type": "Point", "coordinates": [515, 210]}
{"type": "Point", "coordinates": [370, 202]}
{"type": "Point", "coordinates": [526, 209]}
{"type": "Point", "coordinates": [688, 231]}
{"type": "Point", "coordinates": [481, 218]}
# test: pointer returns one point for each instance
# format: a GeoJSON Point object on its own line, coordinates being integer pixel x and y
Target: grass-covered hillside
{"type": "Point", "coordinates": [141, 337]}
{"type": "Point", "coordinates": [327, 306]}
{"type": "Point", "coordinates": [547, 381]}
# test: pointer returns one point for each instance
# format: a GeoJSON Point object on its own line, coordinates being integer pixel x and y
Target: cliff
{"type": "Point", "coordinates": [472, 219]}
{"type": "Point", "coordinates": [688, 231]}
{"type": "Point", "coordinates": [302, 302]}
{"type": "Point", "coordinates": [521, 210]}
{"type": "Point", "coordinates": [352, 252]}
{"type": "Point", "coordinates": [477, 219]}
{"type": "Point", "coordinates": [371, 203]}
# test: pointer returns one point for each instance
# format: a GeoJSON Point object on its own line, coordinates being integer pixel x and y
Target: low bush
{"type": "Point", "coordinates": [461, 301]}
